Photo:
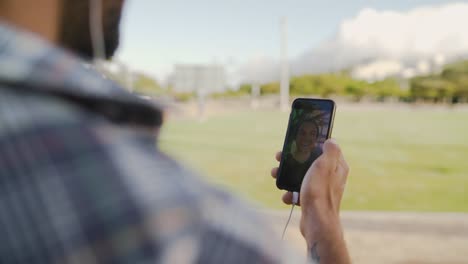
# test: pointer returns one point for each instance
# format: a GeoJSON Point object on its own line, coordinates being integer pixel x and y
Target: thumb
{"type": "Point", "coordinates": [331, 152]}
{"type": "Point", "coordinates": [331, 148]}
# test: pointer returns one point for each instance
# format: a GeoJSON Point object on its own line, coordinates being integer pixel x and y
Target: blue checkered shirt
{"type": "Point", "coordinates": [81, 182]}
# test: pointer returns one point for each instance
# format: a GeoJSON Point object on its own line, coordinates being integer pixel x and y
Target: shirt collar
{"type": "Point", "coordinates": [31, 64]}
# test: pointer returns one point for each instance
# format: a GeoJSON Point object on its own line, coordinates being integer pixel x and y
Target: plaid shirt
{"type": "Point", "coordinates": [79, 183]}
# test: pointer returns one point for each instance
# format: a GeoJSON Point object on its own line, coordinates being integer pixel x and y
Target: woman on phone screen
{"type": "Point", "coordinates": [304, 150]}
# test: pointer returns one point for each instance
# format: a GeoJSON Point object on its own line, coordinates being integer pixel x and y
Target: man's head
{"type": "Point", "coordinates": [66, 22]}
{"type": "Point", "coordinates": [74, 28]}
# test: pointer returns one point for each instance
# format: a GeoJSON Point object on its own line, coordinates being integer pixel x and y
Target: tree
{"type": "Point", "coordinates": [270, 88]}
{"type": "Point", "coordinates": [432, 88]}
{"type": "Point", "coordinates": [457, 74]}
{"type": "Point", "coordinates": [386, 88]}
{"type": "Point", "coordinates": [143, 84]}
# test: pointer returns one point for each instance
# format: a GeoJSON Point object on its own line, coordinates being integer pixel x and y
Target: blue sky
{"type": "Point", "coordinates": [158, 34]}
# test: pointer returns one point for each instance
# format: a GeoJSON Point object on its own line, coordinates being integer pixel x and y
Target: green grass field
{"type": "Point", "coordinates": [401, 159]}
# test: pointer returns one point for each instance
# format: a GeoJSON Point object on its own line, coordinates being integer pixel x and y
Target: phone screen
{"type": "Point", "coordinates": [310, 124]}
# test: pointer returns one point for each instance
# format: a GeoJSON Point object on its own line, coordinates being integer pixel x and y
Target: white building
{"type": "Point", "coordinates": [203, 79]}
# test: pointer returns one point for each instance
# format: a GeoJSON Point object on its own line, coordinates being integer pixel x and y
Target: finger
{"type": "Point", "coordinates": [278, 156]}
{"type": "Point", "coordinates": [332, 152]}
{"type": "Point", "coordinates": [342, 170]}
{"type": "Point", "coordinates": [274, 172]}
{"type": "Point", "coordinates": [342, 164]}
{"type": "Point", "coordinates": [331, 147]}
{"type": "Point", "coordinates": [288, 198]}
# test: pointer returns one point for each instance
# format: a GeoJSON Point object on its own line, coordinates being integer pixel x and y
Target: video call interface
{"type": "Point", "coordinates": [308, 129]}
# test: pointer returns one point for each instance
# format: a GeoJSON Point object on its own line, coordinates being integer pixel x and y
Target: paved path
{"type": "Point", "coordinates": [393, 237]}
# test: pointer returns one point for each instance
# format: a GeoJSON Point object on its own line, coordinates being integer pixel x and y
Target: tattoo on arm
{"type": "Point", "coordinates": [313, 254]}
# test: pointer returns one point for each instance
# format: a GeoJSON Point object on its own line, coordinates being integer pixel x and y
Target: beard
{"type": "Point", "coordinates": [75, 34]}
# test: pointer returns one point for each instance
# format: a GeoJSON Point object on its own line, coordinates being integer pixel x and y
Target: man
{"type": "Point", "coordinates": [81, 182]}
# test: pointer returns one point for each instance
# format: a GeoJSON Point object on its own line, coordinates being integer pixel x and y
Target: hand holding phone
{"type": "Point", "coordinates": [310, 124]}
{"type": "Point", "coordinates": [324, 182]}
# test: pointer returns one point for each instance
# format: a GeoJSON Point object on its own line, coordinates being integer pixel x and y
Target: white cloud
{"type": "Point", "coordinates": [377, 70]}
{"type": "Point", "coordinates": [431, 33]}
{"type": "Point", "coordinates": [260, 69]}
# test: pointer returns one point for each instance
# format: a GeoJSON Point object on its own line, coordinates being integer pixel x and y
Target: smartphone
{"type": "Point", "coordinates": [310, 124]}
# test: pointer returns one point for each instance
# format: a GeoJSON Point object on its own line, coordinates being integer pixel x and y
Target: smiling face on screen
{"type": "Point", "coordinates": [306, 137]}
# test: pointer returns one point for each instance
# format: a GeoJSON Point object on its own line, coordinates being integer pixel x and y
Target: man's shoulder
{"type": "Point", "coordinates": [92, 185]}
{"type": "Point", "coordinates": [56, 133]}
{"type": "Point", "coordinates": [99, 180]}
{"type": "Point", "coordinates": [110, 179]}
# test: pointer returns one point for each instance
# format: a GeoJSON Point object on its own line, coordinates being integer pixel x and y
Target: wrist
{"type": "Point", "coordinates": [320, 222]}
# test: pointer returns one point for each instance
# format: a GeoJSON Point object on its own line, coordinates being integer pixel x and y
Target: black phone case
{"type": "Point", "coordinates": [280, 180]}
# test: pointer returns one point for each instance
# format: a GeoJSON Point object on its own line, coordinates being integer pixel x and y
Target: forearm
{"type": "Point", "coordinates": [320, 199]}
{"type": "Point", "coordinates": [328, 250]}
{"type": "Point", "coordinates": [324, 236]}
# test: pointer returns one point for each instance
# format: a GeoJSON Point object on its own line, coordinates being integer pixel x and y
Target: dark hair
{"type": "Point", "coordinates": [307, 120]}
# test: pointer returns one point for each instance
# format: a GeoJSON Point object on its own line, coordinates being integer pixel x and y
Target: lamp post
{"type": "Point", "coordinates": [284, 84]}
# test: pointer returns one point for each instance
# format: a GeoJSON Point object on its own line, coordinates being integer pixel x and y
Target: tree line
{"type": "Point", "coordinates": [450, 85]}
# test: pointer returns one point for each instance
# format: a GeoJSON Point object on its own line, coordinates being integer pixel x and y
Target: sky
{"type": "Point", "coordinates": [158, 34]}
